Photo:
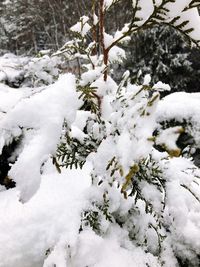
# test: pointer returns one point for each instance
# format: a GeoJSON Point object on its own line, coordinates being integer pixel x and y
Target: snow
{"type": "Point", "coordinates": [81, 27]}
{"type": "Point", "coordinates": [147, 79]}
{"type": "Point", "coordinates": [29, 230]}
{"type": "Point", "coordinates": [106, 252]}
{"type": "Point", "coordinates": [146, 201]}
{"type": "Point", "coordinates": [95, 19]}
{"type": "Point", "coordinates": [182, 106]}
{"type": "Point", "coordinates": [169, 137]}
{"type": "Point", "coordinates": [91, 75]}
{"type": "Point", "coordinates": [108, 3]}
{"type": "Point", "coordinates": [50, 220]}
{"type": "Point", "coordinates": [146, 10]}
{"type": "Point", "coordinates": [185, 210]}
{"type": "Point", "coordinates": [42, 69]}
{"type": "Point", "coordinates": [116, 54]}
{"type": "Point", "coordinates": [8, 97]}
{"type": "Point", "coordinates": [161, 86]}
{"type": "Point", "coordinates": [175, 9]}
{"type": "Point", "coordinates": [11, 67]}
{"type": "Point", "coordinates": [43, 117]}
{"type": "Point", "coordinates": [108, 40]}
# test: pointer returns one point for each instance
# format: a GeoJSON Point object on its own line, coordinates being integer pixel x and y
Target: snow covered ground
{"type": "Point", "coordinates": [28, 230]}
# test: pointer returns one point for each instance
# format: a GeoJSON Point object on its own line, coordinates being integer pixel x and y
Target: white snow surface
{"type": "Point", "coordinates": [29, 230]}
{"type": "Point", "coordinates": [50, 220]}
{"type": "Point", "coordinates": [40, 118]}
{"type": "Point", "coordinates": [81, 27]}
{"type": "Point", "coordinates": [182, 106]}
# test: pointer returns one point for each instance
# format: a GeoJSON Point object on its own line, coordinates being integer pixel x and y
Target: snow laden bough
{"type": "Point", "coordinates": [143, 206]}
{"type": "Point", "coordinates": [181, 111]}
{"type": "Point", "coordinates": [35, 118]}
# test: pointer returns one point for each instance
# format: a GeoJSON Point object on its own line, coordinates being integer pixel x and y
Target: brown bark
{"type": "Point", "coordinates": [101, 26]}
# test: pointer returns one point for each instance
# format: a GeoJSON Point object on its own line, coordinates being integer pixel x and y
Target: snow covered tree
{"type": "Point", "coordinates": [31, 26]}
{"type": "Point", "coordinates": [142, 203]}
{"type": "Point", "coordinates": [163, 53]}
{"type": "Point", "coordinates": [130, 198]}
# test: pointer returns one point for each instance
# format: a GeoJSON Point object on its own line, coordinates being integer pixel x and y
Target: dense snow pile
{"type": "Point", "coordinates": [38, 117]}
{"type": "Point", "coordinates": [29, 230]}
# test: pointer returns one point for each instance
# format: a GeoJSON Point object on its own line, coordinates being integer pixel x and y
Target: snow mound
{"type": "Point", "coordinates": [182, 107]}
{"type": "Point", "coordinates": [39, 119]}
{"type": "Point", "coordinates": [29, 230]}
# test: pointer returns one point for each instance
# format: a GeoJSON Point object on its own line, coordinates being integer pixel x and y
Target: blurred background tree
{"type": "Point", "coordinates": [28, 26]}
{"type": "Point", "coordinates": [163, 53]}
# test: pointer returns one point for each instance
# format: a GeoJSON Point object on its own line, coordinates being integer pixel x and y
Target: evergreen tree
{"type": "Point", "coordinates": [139, 197]}
{"type": "Point", "coordinates": [163, 53]}
{"type": "Point", "coordinates": [30, 26]}
{"type": "Point", "coordinates": [119, 139]}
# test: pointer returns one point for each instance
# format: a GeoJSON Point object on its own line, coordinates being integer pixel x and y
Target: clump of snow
{"type": "Point", "coordinates": [91, 76]}
{"type": "Point", "coordinates": [116, 54]}
{"type": "Point", "coordinates": [11, 68]}
{"type": "Point", "coordinates": [82, 27]}
{"type": "Point", "coordinates": [181, 106]}
{"type": "Point", "coordinates": [8, 98]}
{"type": "Point", "coordinates": [95, 19]}
{"type": "Point", "coordinates": [160, 86]}
{"type": "Point", "coordinates": [108, 40]}
{"type": "Point", "coordinates": [108, 3]}
{"type": "Point", "coordinates": [145, 11]}
{"type": "Point", "coordinates": [40, 118]}
{"type": "Point", "coordinates": [41, 70]}
{"type": "Point", "coordinates": [169, 137]}
{"type": "Point", "coordinates": [147, 79]}
{"type": "Point", "coordinates": [32, 229]}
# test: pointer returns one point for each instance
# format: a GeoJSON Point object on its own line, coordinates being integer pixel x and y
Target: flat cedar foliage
{"type": "Point", "coordinates": [141, 204]}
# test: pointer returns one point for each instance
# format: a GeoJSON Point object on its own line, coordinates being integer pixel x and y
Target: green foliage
{"type": "Point", "coordinates": [131, 172]}
{"type": "Point", "coordinates": [93, 217]}
{"type": "Point", "coordinates": [71, 152]}
{"type": "Point", "coordinates": [149, 171]}
{"type": "Point", "coordinates": [90, 218]}
{"type": "Point", "coordinates": [90, 98]}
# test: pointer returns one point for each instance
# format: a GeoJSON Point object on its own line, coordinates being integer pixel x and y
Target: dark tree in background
{"type": "Point", "coordinates": [162, 52]}
{"type": "Point", "coordinates": [28, 26]}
